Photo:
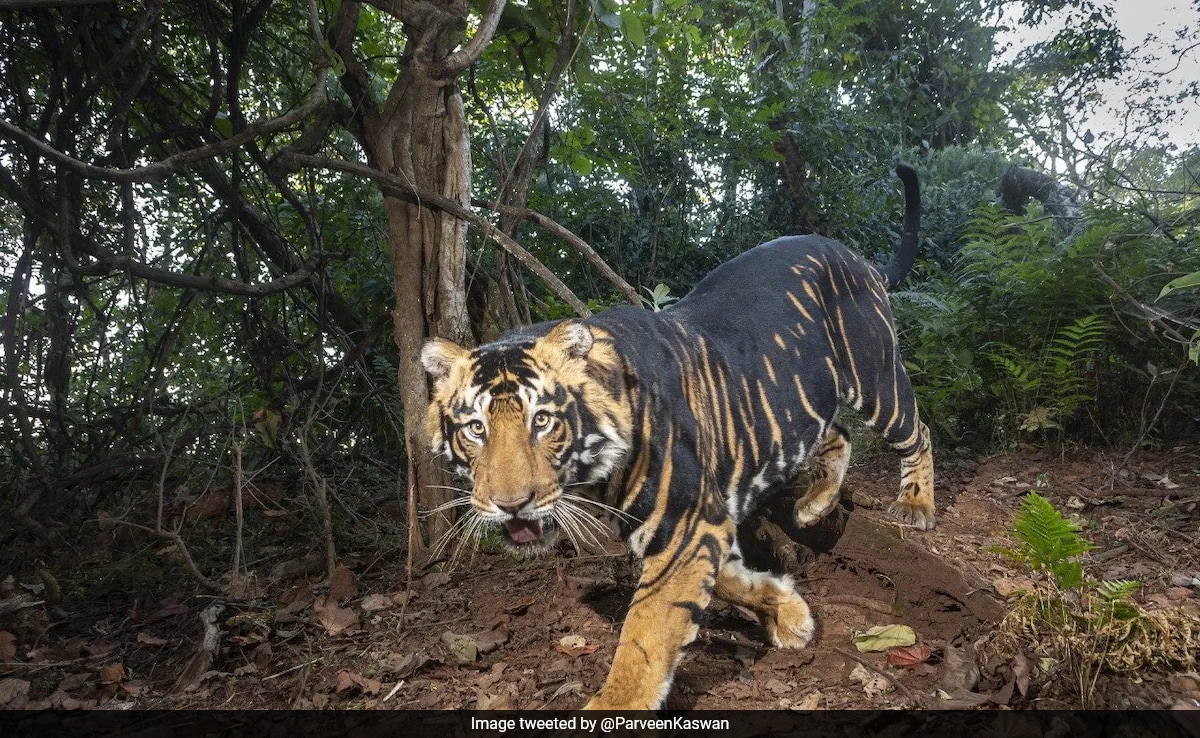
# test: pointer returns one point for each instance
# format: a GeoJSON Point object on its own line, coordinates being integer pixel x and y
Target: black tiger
{"type": "Point", "coordinates": [690, 416]}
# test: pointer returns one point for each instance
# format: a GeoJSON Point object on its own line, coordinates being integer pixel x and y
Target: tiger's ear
{"type": "Point", "coordinates": [439, 354]}
{"type": "Point", "coordinates": [573, 337]}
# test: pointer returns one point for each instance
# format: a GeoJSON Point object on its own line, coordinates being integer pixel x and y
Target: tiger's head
{"type": "Point", "coordinates": [524, 418]}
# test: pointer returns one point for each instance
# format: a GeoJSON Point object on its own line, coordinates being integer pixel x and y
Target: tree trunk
{"type": "Point", "coordinates": [419, 133]}
{"type": "Point", "coordinates": [425, 142]}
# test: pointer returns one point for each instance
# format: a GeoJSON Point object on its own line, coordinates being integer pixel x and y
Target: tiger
{"type": "Point", "coordinates": [687, 419]}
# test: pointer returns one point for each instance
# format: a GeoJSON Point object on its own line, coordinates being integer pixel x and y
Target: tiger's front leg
{"type": "Point", "coordinates": [675, 587]}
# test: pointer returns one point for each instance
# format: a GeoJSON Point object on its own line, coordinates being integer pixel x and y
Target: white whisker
{"type": "Point", "coordinates": [573, 519]}
{"type": "Point", "coordinates": [569, 526]}
{"type": "Point", "coordinates": [463, 523]}
{"type": "Point", "coordinates": [449, 487]}
{"type": "Point", "coordinates": [614, 510]}
{"type": "Point", "coordinates": [456, 502]}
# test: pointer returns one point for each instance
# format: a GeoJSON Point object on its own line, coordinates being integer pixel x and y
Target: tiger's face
{"type": "Point", "coordinates": [525, 419]}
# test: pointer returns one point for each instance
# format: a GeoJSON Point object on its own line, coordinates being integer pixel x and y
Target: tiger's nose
{"type": "Point", "coordinates": [512, 509]}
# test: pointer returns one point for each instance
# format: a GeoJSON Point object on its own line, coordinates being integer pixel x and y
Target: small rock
{"type": "Point", "coordinates": [1189, 682]}
{"type": "Point", "coordinates": [1178, 593]}
{"type": "Point", "coordinates": [1185, 580]}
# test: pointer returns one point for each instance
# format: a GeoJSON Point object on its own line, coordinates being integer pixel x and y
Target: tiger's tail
{"type": "Point", "coordinates": [906, 253]}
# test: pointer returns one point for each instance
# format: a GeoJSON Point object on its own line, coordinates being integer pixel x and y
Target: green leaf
{"type": "Point", "coordinates": [223, 126]}
{"type": "Point", "coordinates": [1187, 281]}
{"type": "Point", "coordinates": [883, 637]}
{"type": "Point", "coordinates": [632, 26]}
{"type": "Point", "coordinates": [582, 165]}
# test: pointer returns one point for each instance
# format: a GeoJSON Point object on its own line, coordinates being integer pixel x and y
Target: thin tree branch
{"type": "Point", "coordinates": [160, 170]}
{"type": "Point", "coordinates": [400, 187]}
{"type": "Point", "coordinates": [577, 243]}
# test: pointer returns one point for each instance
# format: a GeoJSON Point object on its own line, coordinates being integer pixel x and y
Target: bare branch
{"type": "Point", "coordinates": [109, 263]}
{"type": "Point", "coordinates": [400, 187]}
{"type": "Point", "coordinates": [1148, 312]}
{"type": "Point", "coordinates": [577, 243]}
{"type": "Point", "coordinates": [566, 52]}
{"type": "Point", "coordinates": [160, 170]}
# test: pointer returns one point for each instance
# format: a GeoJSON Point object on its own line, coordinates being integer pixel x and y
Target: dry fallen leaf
{"type": "Point", "coordinates": [519, 608]}
{"type": "Point", "coordinates": [145, 639]}
{"type": "Point", "coordinates": [487, 680]}
{"type": "Point", "coordinates": [342, 584]}
{"type": "Point", "coordinates": [909, 656]}
{"type": "Point", "coordinates": [491, 639]}
{"type": "Point", "coordinates": [484, 701]}
{"type": "Point", "coordinates": [133, 689]}
{"type": "Point", "coordinates": [776, 686]}
{"type": "Point", "coordinates": [960, 674]}
{"type": "Point", "coordinates": [165, 612]}
{"type": "Point", "coordinates": [810, 701]}
{"type": "Point", "coordinates": [1008, 586]}
{"type": "Point", "coordinates": [376, 602]}
{"type": "Point", "coordinates": [110, 678]}
{"type": "Point", "coordinates": [960, 670]}
{"type": "Point", "coordinates": [883, 637]}
{"type": "Point", "coordinates": [873, 684]}
{"type": "Point", "coordinates": [576, 645]}
{"type": "Point", "coordinates": [347, 680]}
{"type": "Point", "coordinates": [13, 692]}
{"type": "Point", "coordinates": [435, 579]}
{"type": "Point", "coordinates": [402, 667]}
{"type": "Point", "coordinates": [460, 647]}
{"type": "Point", "coordinates": [333, 618]}
{"type": "Point", "coordinates": [112, 673]}
{"type": "Point", "coordinates": [1021, 669]}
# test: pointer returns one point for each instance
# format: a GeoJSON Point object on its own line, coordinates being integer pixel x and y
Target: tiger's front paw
{"type": "Point", "coordinates": [915, 513]}
{"type": "Point", "coordinates": [791, 625]}
{"type": "Point", "coordinates": [808, 513]}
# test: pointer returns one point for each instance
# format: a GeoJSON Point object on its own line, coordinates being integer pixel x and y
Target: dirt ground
{"type": "Point", "coordinates": [496, 632]}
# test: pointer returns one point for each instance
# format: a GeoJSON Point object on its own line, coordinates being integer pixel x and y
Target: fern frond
{"type": "Point", "coordinates": [1115, 590]}
{"type": "Point", "coordinates": [1049, 541]}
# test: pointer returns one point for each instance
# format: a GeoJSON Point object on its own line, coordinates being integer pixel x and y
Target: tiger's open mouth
{"type": "Point", "coordinates": [522, 533]}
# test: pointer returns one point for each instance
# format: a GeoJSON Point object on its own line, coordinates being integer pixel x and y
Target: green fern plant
{"type": "Point", "coordinates": [1049, 541]}
{"type": "Point", "coordinates": [1087, 627]}
{"type": "Point", "coordinates": [1051, 385]}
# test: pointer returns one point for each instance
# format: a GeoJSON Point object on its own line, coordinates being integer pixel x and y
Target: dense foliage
{"type": "Point", "coordinates": [177, 321]}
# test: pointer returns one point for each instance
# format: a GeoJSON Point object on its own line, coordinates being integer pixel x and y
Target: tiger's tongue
{"type": "Point", "coordinates": [523, 531]}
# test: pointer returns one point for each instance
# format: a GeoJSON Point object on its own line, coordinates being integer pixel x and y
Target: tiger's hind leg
{"type": "Point", "coordinates": [784, 613]}
{"type": "Point", "coordinates": [896, 417]}
{"type": "Point", "coordinates": [829, 469]}
{"type": "Point", "coordinates": [915, 504]}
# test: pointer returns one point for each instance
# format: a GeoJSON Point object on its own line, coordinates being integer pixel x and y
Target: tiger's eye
{"type": "Point", "coordinates": [542, 420]}
{"type": "Point", "coordinates": [475, 428]}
